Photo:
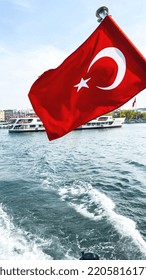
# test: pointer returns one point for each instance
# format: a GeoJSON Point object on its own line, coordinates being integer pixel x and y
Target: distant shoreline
{"type": "Point", "coordinates": [131, 121]}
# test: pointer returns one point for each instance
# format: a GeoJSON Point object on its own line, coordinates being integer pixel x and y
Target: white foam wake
{"type": "Point", "coordinates": [94, 205]}
{"type": "Point", "coordinates": [17, 244]}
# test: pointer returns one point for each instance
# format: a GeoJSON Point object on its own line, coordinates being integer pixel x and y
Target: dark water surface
{"type": "Point", "coordinates": [85, 191]}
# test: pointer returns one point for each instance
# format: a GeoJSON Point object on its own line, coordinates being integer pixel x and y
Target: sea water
{"type": "Point", "coordinates": [83, 192]}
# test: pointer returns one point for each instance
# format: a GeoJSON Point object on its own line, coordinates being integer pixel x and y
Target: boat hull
{"type": "Point", "coordinates": [26, 130]}
{"type": "Point", "coordinates": [99, 127]}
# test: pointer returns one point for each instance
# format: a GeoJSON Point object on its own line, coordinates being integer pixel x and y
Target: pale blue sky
{"type": "Point", "coordinates": [36, 35]}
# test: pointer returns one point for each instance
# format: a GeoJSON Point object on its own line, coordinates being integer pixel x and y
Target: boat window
{"type": "Point", "coordinates": [38, 120]}
{"type": "Point", "coordinates": [25, 121]}
{"type": "Point", "coordinates": [103, 119]}
{"type": "Point", "coordinates": [12, 121]}
{"type": "Point", "coordinates": [20, 121]}
{"type": "Point", "coordinates": [32, 125]}
{"type": "Point", "coordinates": [30, 120]}
{"type": "Point", "coordinates": [17, 126]}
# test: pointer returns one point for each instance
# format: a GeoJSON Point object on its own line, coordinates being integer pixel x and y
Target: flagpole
{"type": "Point", "coordinates": [101, 13]}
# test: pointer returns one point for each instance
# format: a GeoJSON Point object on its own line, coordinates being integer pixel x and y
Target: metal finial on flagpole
{"type": "Point", "coordinates": [101, 13]}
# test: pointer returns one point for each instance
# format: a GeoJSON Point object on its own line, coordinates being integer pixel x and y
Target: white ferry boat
{"type": "Point", "coordinates": [34, 124]}
{"type": "Point", "coordinates": [103, 122]}
{"type": "Point", "coordinates": [25, 124]}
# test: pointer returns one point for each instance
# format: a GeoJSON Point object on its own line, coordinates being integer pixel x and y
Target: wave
{"type": "Point", "coordinates": [136, 163]}
{"type": "Point", "coordinates": [16, 243]}
{"type": "Point", "coordinates": [95, 205]}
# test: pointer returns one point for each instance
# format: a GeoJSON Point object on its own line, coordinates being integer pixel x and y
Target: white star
{"type": "Point", "coordinates": [82, 83]}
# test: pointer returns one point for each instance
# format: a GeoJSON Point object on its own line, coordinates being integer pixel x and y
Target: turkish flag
{"type": "Point", "coordinates": [134, 102]}
{"type": "Point", "coordinates": [101, 75]}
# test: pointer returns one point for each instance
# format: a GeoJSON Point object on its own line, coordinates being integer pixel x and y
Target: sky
{"type": "Point", "coordinates": [36, 35]}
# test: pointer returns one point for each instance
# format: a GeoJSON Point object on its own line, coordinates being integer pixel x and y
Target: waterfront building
{"type": "Point", "coordinates": [2, 116]}
{"type": "Point", "coordinates": [8, 114]}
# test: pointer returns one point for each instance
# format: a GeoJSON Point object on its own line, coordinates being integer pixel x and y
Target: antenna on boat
{"type": "Point", "coordinates": [101, 13]}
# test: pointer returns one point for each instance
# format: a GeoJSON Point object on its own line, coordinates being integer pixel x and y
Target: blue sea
{"type": "Point", "coordinates": [83, 192]}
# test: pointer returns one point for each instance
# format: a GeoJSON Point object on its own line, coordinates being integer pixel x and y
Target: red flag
{"type": "Point", "coordinates": [101, 75]}
{"type": "Point", "coordinates": [134, 102]}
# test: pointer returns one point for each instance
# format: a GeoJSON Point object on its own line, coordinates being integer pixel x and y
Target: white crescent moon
{"type": "Point", "coordinates": [119, 58]}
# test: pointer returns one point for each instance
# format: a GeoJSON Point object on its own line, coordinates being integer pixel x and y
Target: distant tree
{"type": "Point", "coordinates": [129, 114]}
